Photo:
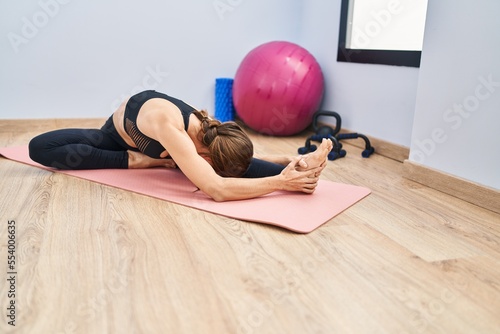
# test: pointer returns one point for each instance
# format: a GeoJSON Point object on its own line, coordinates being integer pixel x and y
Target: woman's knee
{"type": "Point", "coordinates": [38, 150]}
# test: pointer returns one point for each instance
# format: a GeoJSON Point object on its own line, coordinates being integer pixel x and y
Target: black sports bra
{"type": "Point", "coordinates": [145, 144]}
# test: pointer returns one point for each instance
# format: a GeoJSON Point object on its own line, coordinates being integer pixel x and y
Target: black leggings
{"type": "Point", "coordinates": [104, 149]}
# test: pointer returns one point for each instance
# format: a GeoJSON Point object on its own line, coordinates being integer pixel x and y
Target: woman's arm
{"type": "Point", "coordinates": [182, 149]}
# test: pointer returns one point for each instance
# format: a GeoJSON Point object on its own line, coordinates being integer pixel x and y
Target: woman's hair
{"type": "Point", "coordinates": [230, 149]}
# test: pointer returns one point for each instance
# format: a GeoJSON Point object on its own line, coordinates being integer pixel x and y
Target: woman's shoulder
{"type": "Point", "coordinates": [158, 111]}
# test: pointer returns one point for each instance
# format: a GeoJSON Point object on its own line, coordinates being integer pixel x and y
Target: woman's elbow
{"type": "Point", "coordinates": [217, 195]}
{"type": "Point", "coordinates": [220, 198]}
{"type": "Point", "coordinates": [216, 192]}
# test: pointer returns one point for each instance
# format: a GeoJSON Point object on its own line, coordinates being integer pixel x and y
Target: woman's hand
{"type": "Point", "coordinates": [304, 181]}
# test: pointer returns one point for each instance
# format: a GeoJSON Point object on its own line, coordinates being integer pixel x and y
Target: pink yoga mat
{"type": "Point", "coordinates": [297, 212]}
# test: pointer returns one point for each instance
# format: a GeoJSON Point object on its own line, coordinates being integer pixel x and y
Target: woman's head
{"type": "Point", "coordinates": [229, 148]}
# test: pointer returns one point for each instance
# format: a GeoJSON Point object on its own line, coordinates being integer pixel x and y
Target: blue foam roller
{"type": "Point", "coordinates": [224, 109]}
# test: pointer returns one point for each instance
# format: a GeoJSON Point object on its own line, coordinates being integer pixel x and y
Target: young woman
{"type": "Point", "coordinates": [153, 129]}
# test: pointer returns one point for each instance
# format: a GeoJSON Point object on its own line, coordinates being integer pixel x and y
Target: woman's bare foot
{"type": "Point", "coordinates": [318, 157]}
{"type": "Point", "coordinates": [140, 160]}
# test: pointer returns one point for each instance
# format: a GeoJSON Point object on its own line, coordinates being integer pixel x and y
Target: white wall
{"type": "Point", "coordinates": [63, 58]}
{"type": "Point", "coordinates": [458, 101]}
{"type": "Point", "coordinates": [86, 56]}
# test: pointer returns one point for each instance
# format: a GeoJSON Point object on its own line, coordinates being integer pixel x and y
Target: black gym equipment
{"type": "Point", "coordinates": [328, 132]}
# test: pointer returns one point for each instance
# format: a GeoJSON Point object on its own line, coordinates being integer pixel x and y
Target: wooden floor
{"type": "Point", "coordinates": [94, 259]}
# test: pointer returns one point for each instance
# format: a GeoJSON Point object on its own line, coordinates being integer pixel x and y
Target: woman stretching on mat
{"type": "Point", "coordinates": [152, 129]}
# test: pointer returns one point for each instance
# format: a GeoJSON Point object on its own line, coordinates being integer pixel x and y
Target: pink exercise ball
{"type": "Point", "coordinates": [277, 88]}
